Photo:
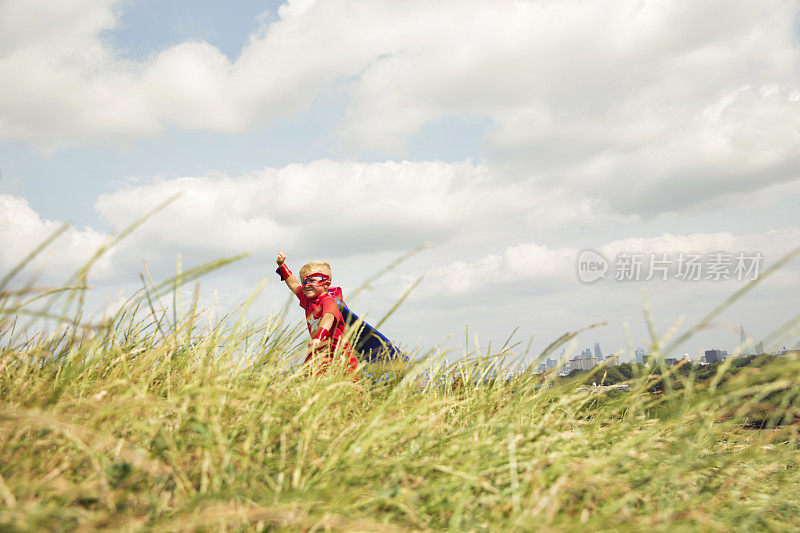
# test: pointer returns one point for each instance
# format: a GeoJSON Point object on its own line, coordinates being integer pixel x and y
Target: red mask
{"type": "Point", "coordinates": [315, 279]}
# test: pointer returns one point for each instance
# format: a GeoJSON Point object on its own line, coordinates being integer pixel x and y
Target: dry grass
{"type": "Point", "coordinates": [158, 422]}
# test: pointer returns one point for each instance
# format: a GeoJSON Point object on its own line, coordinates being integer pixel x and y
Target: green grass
{"type": "Point", "coordinates": [151, 420]}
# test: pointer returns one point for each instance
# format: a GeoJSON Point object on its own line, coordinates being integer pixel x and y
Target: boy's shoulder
{"type": "Point", "coordinates": [327, 298]}
{"type": "Point", "coordinates": [328, 301]}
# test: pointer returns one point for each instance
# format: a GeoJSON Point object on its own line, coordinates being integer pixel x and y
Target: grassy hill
{"type": "Point", "coordinates": [153, 419]}
{"type": "Point", "coordinates": [184, 426]}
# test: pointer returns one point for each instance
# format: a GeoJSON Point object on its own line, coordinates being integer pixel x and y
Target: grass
{"type": "Point", "coordinates": [154, 420]}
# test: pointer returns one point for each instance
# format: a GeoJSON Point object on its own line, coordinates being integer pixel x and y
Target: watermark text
{"type": "Point", "coordinates": [593, 266]}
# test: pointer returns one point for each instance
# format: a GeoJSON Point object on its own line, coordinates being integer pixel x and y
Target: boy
{"type": "Point", "coordinates": [323, 318]}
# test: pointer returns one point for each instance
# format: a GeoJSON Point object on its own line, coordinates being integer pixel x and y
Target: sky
{"type": "Point", "coordinates": [508, 135]}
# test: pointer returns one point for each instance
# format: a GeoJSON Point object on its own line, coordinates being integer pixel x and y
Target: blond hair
{"type": "Point", "coordinates": [315, 266]}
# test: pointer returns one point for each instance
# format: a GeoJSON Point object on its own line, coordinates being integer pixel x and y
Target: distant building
{"type": "Point", "coordinates": [542, 368]}
{"type": "Point", "coordinates": [715, 356]}
{"type": "Point", "coordinates": [743, 343]}
{"type": "Point", "coordinates": [597, 352]}
{"type": "Point", "coordinates": [551, 363]}
{"type": "Point", "coordinates": [640, 355]}
{"type": "Point", "coordinates": [760, 347]}
{"type": "Point", "coordinates": [583, 363]}
{"type": "Point", "coordinates": [612, 360]}
{"type": "Point", "coordinates": [671, 361]}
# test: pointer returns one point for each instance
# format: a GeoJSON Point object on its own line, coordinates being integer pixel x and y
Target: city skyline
{"type": "Point", "coordinates": [641, 354]}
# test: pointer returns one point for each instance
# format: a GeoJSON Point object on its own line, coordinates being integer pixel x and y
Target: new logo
{"type": "Point", "coordinates": [591, 265]}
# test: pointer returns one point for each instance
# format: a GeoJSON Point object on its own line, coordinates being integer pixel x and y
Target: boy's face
{"type": "Point", "coordinates": [314, 286]}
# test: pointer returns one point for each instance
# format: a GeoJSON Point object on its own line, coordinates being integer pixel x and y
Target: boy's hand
{"type": "Point", "coordinates": [318, 344]}
{"type": "Point", "coordinates": [286, 274]}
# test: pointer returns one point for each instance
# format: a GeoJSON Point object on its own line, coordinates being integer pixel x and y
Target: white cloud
{"type": "Point", "coordinates": [22, 230]}
{"type": "Point", "coordinates": [640, 107]}
{"type": "Point", "coordinates": [563, 64]}
{"type": "Point", "coordinates": [189, 86]}
{"type": "Point", "coordinates": [554, 269]}
{"type": "Point", "coordinates": [332, 208]}
{"type": "Point", "coordinates": [58, 83]}
{"type": "Point", "coordinates": [649, 106]}
{"type": "Point", "coordinates": [773, 243]}
{"type": "Point", "coordinates": [62, 85]}
{"type": "Point", "coordinates": [535, 287]}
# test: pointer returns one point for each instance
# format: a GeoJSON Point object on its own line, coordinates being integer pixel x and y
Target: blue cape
{"type": "Point", "coordinates": [370, 344]}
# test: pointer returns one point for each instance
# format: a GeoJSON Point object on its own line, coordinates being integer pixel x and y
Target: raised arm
{"type": "Point", "coordinates": [286, 274]}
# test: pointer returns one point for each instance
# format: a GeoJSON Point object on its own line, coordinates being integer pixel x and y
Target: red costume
{"type": "Point", "coordinates": [315, 309]}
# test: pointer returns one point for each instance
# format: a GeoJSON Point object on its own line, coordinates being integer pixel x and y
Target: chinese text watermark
{"type": "Point", "coordinates": [593, 266]}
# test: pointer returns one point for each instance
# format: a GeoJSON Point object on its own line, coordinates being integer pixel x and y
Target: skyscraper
{"type": "Point", "coordinates": [597, 352]}
{"type": "Point", "coordinates": [744, 345]}
{"type": "Point", "coordinates": [640, 355]}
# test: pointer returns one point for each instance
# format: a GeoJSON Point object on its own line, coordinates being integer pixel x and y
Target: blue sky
{"type": "Point", "coordinates": [553, 127]}
{"type": "Point", "coordinates": [146, 27]}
